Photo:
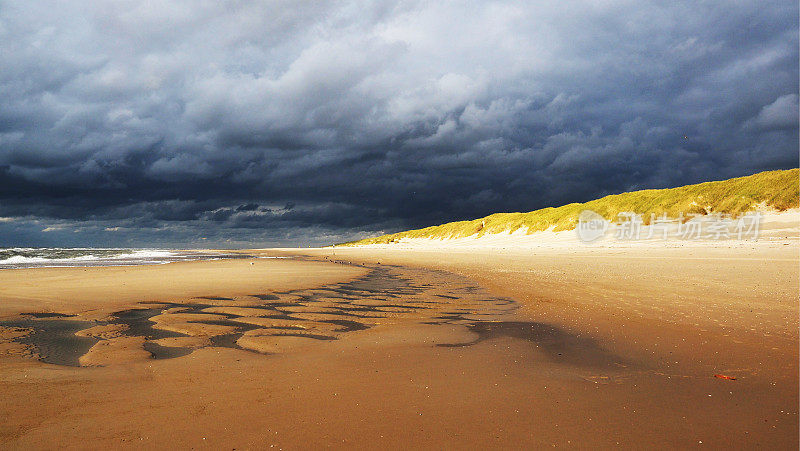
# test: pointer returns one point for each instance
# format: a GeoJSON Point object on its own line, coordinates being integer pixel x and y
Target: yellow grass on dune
{"type": "Point", "coordinates": [772, 189]}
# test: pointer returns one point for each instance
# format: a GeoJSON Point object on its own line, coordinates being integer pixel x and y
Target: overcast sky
{"type": "Point", "coordinates": [238, 123]}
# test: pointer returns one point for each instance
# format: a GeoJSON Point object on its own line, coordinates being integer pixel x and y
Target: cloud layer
{"type": "Point", "coordinates": [264, 123]}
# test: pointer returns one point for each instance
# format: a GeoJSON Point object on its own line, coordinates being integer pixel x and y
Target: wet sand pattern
{"type": "Point", "coordinates": [276, 322]}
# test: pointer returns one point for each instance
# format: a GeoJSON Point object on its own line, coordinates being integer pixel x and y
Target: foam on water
{"type": "Point", "coordinates": [18, 258]}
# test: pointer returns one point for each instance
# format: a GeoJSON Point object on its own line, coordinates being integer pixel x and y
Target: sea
{"type": "Point", "coordinates": [47, 257]}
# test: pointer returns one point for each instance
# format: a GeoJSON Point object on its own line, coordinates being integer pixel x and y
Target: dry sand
{"type": "Point", "coordinates": [68, 290]}
{"type": "Point", "coordinates": [580, 347]}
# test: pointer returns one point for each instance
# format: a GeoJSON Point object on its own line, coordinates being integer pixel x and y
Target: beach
{"type": "Point", "coordinates": [423, 225]}
{"type": "Point", "coordinates": [410, 348]}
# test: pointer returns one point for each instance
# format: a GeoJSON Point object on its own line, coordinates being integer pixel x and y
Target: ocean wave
{"type": "Point", "coordinates": [20, 257]}
{"type": "Point", "coordinates": [146, 254]}
{"type": "Point", "coordinates": [23, 257]}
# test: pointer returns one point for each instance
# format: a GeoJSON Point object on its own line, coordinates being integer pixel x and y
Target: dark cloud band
{"type": "Point", "coordinates": [291, 122]}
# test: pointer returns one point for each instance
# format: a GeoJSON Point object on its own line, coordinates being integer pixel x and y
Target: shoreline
{"type": "Point", "coordinates": [75, 288]}
{"type": "Point", "coordinates": [32, 258]}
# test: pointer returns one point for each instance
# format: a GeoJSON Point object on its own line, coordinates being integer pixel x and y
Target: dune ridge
{"type": "Point", "coordinates": [771, 191]}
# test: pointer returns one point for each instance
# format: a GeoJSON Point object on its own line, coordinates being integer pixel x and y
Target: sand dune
{"type": "Point", "coordinates": [775, 228]}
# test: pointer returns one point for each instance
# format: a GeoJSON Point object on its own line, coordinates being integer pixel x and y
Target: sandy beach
{"type": "Point", "coordinates": [359, 347]}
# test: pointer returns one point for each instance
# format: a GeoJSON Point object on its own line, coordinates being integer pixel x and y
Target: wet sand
{"type": "Point", "coordinates": [412, 349]}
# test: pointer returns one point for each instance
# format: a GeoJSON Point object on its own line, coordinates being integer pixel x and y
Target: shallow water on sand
{"type": "Point", "coordinates": [54, 340]}
{"type": "Point", "coordinates": [385, 295]}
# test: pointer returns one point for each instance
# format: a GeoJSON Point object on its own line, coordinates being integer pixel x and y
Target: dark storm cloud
{"type": "Point", "coordinates": [231, 123]}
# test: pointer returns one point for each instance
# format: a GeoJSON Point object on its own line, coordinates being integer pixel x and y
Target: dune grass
{"type": "Point", "coordinates": [772, 189]}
